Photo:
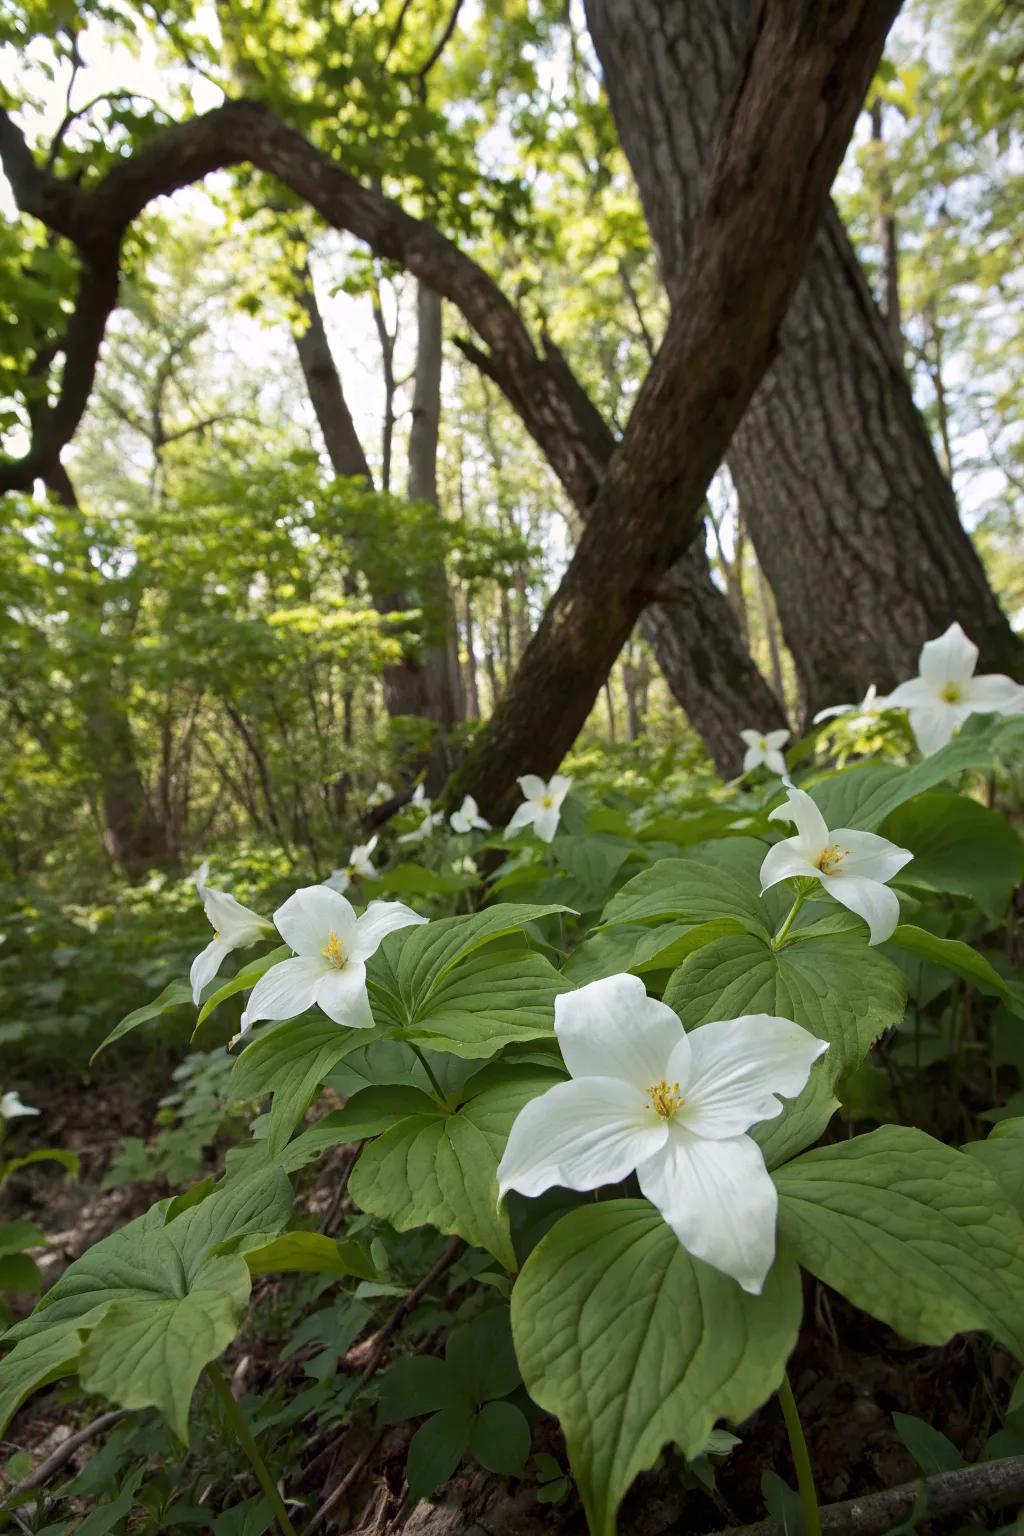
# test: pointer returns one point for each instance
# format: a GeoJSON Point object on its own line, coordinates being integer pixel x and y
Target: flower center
{"type": "Point", "coordinates": [216, 934]}
{"type": "Point", "coordinates": [763, 744]}
{"type": "Point", "coordinates": [952, 693]}
{"type": "Point", "coordinates": [832, 858]}
{"type": "Point", "coordinates": [664, 1098]}
{"type": "Point", "coordinates": [547, 802]}
{"type": "Point", "coordinates": [334, 951]}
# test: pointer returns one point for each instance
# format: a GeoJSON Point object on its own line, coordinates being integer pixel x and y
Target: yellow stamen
{"type": "Point", "coordinates": [547, 801]}
{"type": "Point", "coordinates": [216, 934]}
{"type": "Point", "coordinates": [334, 950]}
{"type": "Point", "coordinates": [763, 745]}
{"type": "Point", "coordinates": [664, 1099]}
{"type": "Point", "coordinates": [952, 693]}
{"type": "Point", "coordinates": [832, 858]}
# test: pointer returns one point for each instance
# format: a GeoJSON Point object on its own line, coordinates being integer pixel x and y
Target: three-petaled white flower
{"type": "Point", "coordinates": [946, 691]}
{"type": "Point", "coordinates": [359, 867]}
{"type": "Point", "coordinates": [862, 715]}
{"type": "Point", "coordinates": [853, 866]}
{"type": "Point", "coordinates": [646, 1096]}
{"type": "Point", "coordinates": [234, 926]}
{"type": "Point", "coordinates": [381, 791]}
{"type": "Point", "coordinates": [11, 1107]}
{"type": "Point", "coordinates": [542, 805]}
{"type": "Point", "coordinates": [468, 816]}
{"type": "Point", "coordinates": [331, 948]}
{"type": "Point", "coordinates": [765, 748]}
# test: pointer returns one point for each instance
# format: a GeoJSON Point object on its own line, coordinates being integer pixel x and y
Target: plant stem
{"type": "Point", "coordinates": [801, 1458]}
{"type": "Point", "coordinates": [800, 898]}
{"type": "Point", "coordinates": [439, 1092]}
{"type": "Point", "coordinates": [236, 1419]}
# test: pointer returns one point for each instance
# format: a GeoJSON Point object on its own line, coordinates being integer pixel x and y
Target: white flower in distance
{"type": "Point", "coordinates": [359, 867]}
{"type": "Point", "coordinates": [234, 927]}
{"type": "Point", "coordinates": [853, 866]}
{"type": "Point", "coordinates": [645, 1096]}
{"type": "Point", "coordinates": [468, 816]}
{"type": "Point", "coordinates": [427, 827]}
{"type": "Point", "coordinates": [11, 1107]}
{"type": "Point", "coordinates": [862, 715]}
{"type": "Point", "coordinates": [946, 691]}
{"type": "Point", "coordinates": [542, 805]}
{"type": "Point", "coordinates": [331, 948]}
{"type": "Point", "coordinates": [765, 748]}
{"type": "Point", "coordinates": [381, 791]}
{"type": "Point", "coordinates": [465, 866]}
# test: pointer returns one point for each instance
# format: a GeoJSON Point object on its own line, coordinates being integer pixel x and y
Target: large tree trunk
{"type": "Point", "coordinates": [440, 658]}
{"type": "Point", "coordinates": [853, 520]}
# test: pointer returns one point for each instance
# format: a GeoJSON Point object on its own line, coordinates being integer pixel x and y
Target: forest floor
{"type": "Point", "coordinates": [849, 1374]}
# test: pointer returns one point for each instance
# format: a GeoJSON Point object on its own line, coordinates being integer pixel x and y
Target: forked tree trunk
{"type": "Point", "coordinates": [853, 520]}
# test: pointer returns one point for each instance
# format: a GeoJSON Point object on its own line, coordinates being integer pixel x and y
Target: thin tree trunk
{"type": "Point", "coordinates": [472, 683]}
{"type": "Point", "coordinates": [885, 223]}
{"type": "Point", "coordinates": [853, 520]}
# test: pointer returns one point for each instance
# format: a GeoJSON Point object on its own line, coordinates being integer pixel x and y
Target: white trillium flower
{"type": "Point", "coordinates": [359, 867]}
{"type": "Point", "coordinates": [468, 816]}
{"type": "Point", "coordinates": [946, 691]}
{"type": "Point", "coordinates": [381, 791]}
{"type": "Point", "coordinates": [331, 948]}
{"type": "Point", "coordinates": [427, 827]}
{"type": "Point", "coordinates": [542, 805]}
{"type": "Point", "coordinates": [645, 1096]}
{"type": "Point", "coordinates": [11, 1107]}
{"type": "Point", "coordinates": [864, 714]}
{"type": "Point", "coordinates": [465, 866]}
{"type": "Point", "coordinates": [234, 927]}
{"type": "Point", "coordinates": [854, 867]}
{"type": "Point", "coordinates": [765, 748]}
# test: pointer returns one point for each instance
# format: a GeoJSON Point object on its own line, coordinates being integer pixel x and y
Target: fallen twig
{"type": "Point", "coordinates": [947, 1493]}
{"type": "Point", "coordinates": [64, 1452]}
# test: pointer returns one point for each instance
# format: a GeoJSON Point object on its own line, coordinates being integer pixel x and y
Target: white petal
{"type": "Point", "coordinates": [776, 761]}
{"type": "Point", "coordinates": [737, 1067]}
{"type": "Point", "coordinates": [342, 995]}
{"type": "Point", "coordinates": [719, 1199]}
{"type": "Point", "coordinates": [611, 1028]}
{"type": "Point", "coordinates": [11, 1107]}
{"type": "Point", "coordinates": [309, 917]}
{"type": "Point", "coordinates": [753, 757]}
{"type": "Point", "coordinates": [558, 787]}
{"type": "Point", "coordinates": [833, 710]}
{"type": "Point", "coordinates": [875, 903]}
{"type": "Point", "coordinates": [799, 808]}
{"type": "Point", "coordinates": [207, 963]}
{"type": "Point", "coordinates": [532, 786]}
{"type": "Point", "coordinates": [933, 727]}
{"type": "Point", "coordinates": [338, 880]}
{"type": "Point", "coordinates": [287, 989]}
{"type": "Point", "coordinates": [379, 919]}
{"type": "Point", "coordinates": [228, 915]}
{"type": "Point", "coordinates": [579, 1135]}
{"type": "Point", "coordinates": [951, 658]}
{"type": "Point", "coordinates": [545, 823]}
{"type": "Point", "coordinates": [459, 822]}
{"type": "Point", "coordinates": [784, 861]}
{"type": "Point", "coordinates": [867, 854]}
{"type": "Point", "coordinates": [994, 693]}
{"type": "Point", "coordinates": [776, 738]}
{"type": "Point", "coordinates": [915, 694]}
{"type": "Point", "coordinates": [752, 738]}
{"type": "Point", "coordinates": [523, 816]}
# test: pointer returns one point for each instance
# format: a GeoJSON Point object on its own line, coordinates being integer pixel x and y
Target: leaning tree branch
{"type": "Point", "coordinates": [929, 1498]}
{"type": "Point", "coordinates": [799, 89]}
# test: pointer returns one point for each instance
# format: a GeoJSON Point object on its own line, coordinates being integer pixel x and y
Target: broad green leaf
{"type": "Point", "coordinates": [958, 846]}
{"type": "Point", "coordinates": [930, 1448]}
{"type": "Point", "coordinates": [635, 1345]}
{"type": "Point", "coordinates": [411, 962]}
{"type": "Point", "coordinates": [16, 1236]}
{"type": "Point", "coordinates": [640, 949]}
{"type": "Point", "coordinates": [911, 1231]}
{"type": "Point", "coordinates": [436, 1449]}
{"type": "Point", "coordinates": [834, 985]}
{"type": "Point", "coordinates": [703, 886]}
{"type": "Point", "coordinates": [67, 1160]}
{"type": "Point", "coordinates": [500, 1439]}
{"type": "Point", "coordinates": [864, 796]}
{"type": "Point", "coordinates": [247, 977]}
{"type": "Point", "coordinates": [310, 1253]}
{"type": "Point", "coordinates": [19, 1273]}
{"type": "Point", "coordinates": [492, 999]}
{"type": "Point", "coordinates": [591, 862]}
{"type": "Point", "coordinates": [959, 958]}
{"type": "Point", "coordinates": [440, 1169]}
{"type": "Point", "coordinates": [422, 1384]}
{"type": "Point", "coordinates": [482, 1355]}
{"type": "Point", "coordinates": [291, 1061]}
{"type": "Point", "coordinates": [149, 1354]}
{"type": "Point", "coordinates": [34, 1363]}
{"type": "Point", "coordinates": [177, 994]}
{"type": "Point", "coordinates": [1002, 1153]}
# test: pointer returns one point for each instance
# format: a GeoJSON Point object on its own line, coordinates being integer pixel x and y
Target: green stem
{"type": "Point", "coordinates": [801, 1459]}
{"type": "Point", "coordinates": [800, 898]}
{"type": "Point", "coordinates": [439, 1092]}
{"type": "Point", "coordinates": [236, 1419]}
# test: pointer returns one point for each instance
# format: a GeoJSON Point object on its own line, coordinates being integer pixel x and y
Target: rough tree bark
{"type": "Point", "coordinates": [853, 520]}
